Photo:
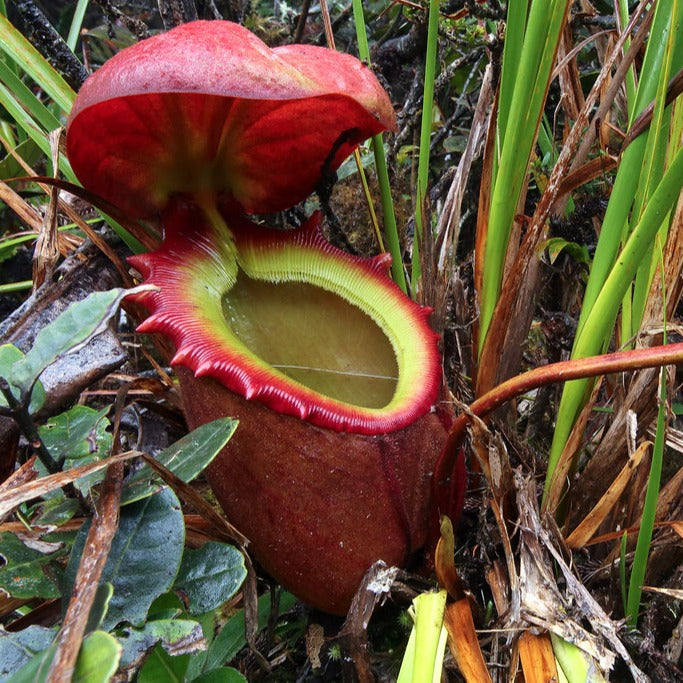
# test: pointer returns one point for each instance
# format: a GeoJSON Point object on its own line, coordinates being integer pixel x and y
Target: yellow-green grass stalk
{"type": "Point", "coordinates": [423, 659]}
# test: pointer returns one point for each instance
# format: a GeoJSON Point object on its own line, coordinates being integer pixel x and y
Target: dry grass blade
{"type": "Point", "coordinates": [542, 603]}
{"type": "Point", "coordinates": [535, 597]}
{"type": "Point", "coordinates": [463, 641]}
{"type": "Point", "coordinates": [93, 561]}
{"type": "Point", "coordinates": [558, 485]}
{"type": "Point", "coordinates": [675, 525]}
{"type": "Point", "coordinates": [23, 475]}
{"type": "Point", "coordinates": [46, 251]}
{"type": "Point", "coordinates": [675, 593]}
{"type": "Point", "coordinates": [584, 532]}
{"type": "Point", "coordinates": [538, 660]}
{"type": "Point", "coordinates": [444, 562]}
{"type": "Point", "coordinates": [24, 211]}
{"type": "Point", "coordinates": [595, 168]}
{"type": "Point", "coordinates": [449, 217]}
{"type": "Point", "coordinates": [615, 82]}
{"type": "Point", "coordinates": [606, 642]}
{"type": "Point", "coordinates": [94, 236]}
{"type": "Point", "coordinates": [10, 498]}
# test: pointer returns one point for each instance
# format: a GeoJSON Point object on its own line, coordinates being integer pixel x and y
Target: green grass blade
{"type": "Point", "coordinates": [76, 24]}
{"type": "Point", "coordinates": [33, 130]}
{"type": "Point", "coordinates": [623, 546]}
{"type": "Point", "coordinates": [612, 272]}
{"type": "Point", "coordinates": [425, 140]}
{"type": "Point", "coordinates": [653, 167]}
{"type": "Point", "coordinates": [631, 74]}
{"type": "Point", "coordinates": [599, 323]}
{"type": "Point", "coordinates": [515, 26]}
{"type": "Point", "coordinates": [389, 216]}
{"type": "Point", "coordinates": [35, 65]}
{"type": "Point", "coordinates": [22, 93]}
{"type": "Point", "coordinates": [526, 105]}
{"type": "Point", "coordinates": [647, 521]}
{"type": "Point", "coordinates": [626, 183]}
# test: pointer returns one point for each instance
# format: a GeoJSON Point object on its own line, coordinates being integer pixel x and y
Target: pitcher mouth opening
{"type": "Point", "coordinates": [285, 318]}
{"type": "Point", "coordinates": [351, 359]}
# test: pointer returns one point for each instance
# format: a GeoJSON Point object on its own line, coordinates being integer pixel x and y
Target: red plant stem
{"type": "Point", "coordinates": [579, 368]}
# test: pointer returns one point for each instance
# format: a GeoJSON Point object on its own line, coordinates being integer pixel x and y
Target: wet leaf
{"type": "Point", "coordinates": [210, 575]}
{"type": "Point", "coordinates": [16, 649]}
{"type": "Point", "coordinates": [77, 433]}
{"type": "Point", "coordinates": [175, 635]}
{"type": "Point", "coordinates": [70, 330]}
{"type": "Point", "coordinates": [186, 458]}
{"type": "Point", "coordinates": [23, 575]}
{"type": "Point", "coordinates": [9, 356]}
{"type": "Point", "coordinates": [225, 674]}
{"type": "Point", "coordinates": [144, 556]}
{"type": "Point", "coordinates": [78, 437]}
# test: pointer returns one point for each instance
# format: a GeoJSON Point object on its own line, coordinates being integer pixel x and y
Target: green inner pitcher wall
{"type": "Point", "coordinates": [315, 337]}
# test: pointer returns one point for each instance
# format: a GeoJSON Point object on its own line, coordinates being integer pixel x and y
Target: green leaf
{"type": "Point", "coordinates": [162, 667]}
{"type": "Point", "coordinates": [71, 329]}
{"type": "Point", "coordinates": [186, 458]}
{"type": "Point", "coordinates": [9, 356]}
{"type": "Point", "coordinates": [77, 433]}
{"type": "Point", "coordinates": [210, 575]}
{"type": "Point", "coordinates": [98, 659]}
{"type": "Point", "coordinates": [174, 635]}
{"type": "Point", "coordinates": [166, 606]}
{"type": "Point", "coordinates": [144, 556]}
{"type": "Point", "coordinates": [78, 437]}
{"type": "Point", "coordinates": [100, 607]}
{"type": "Point", "coordinates": [35, 670]}
{"type": "Point", "coordinates": [556, 245]}
{"type": "Point", "coordinates": [231, 638]}
{"type": "Point", "coordinates": [222, 675]}
{"type": "Point", "coordinates": [16, 649]}
{"type": "Point", "coordinates": [56, 510]}
{"type": "Point", "coordinates": [23, 575]}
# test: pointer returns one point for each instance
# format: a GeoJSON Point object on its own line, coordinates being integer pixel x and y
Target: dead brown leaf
{"type": "Point", "coordinates": [463, 642]}
{"type": "Point", "coordinates": [537, 657]}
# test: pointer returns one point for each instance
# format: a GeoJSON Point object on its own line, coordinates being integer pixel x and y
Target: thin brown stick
{"type": "Point", "coordinates": [93, 561]}
{"type": "Point", "coordinates": [564, 371]}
